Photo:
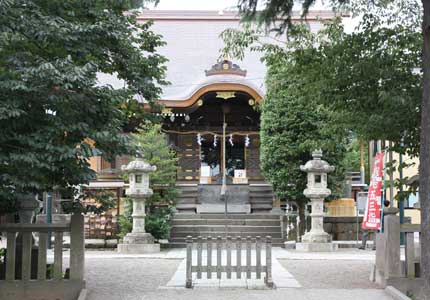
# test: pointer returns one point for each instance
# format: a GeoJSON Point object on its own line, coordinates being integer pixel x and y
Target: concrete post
{"type": "Point", "coordinates": [392, 240]}
{"type": "Point", "coordinates": [77, 247]}
{"type": "Point", "coordinates": [189, 282]}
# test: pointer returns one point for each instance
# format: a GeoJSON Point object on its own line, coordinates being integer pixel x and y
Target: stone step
{"type": "Point", "coordinates": [261, 200]}
{"type": "Point", "coordinates": [263, 196]}
{"type": "Point", "coordinates": [186, 195]}
{"type": "Point", "coordinates": [253, 222]}
{"type": "Point", "coordinates": [209, 228]}
{"type": "Point", "coordinates": [186, 200]}
{"type": "Point", "coordinates": [222, 233]}
{"type": "Point", "coordinates": [188, 216]}
{"type": "Point", "coordinates": [181, 243]}
{"type": "Point", "coordinates": [260, 192]}
{"type": "Point", "coordinates": [234, 237]}
{"type": "Point", "coordinates": [186, 206]}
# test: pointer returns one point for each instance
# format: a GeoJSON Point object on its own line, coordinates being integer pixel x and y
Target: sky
{"type": "Point", "coordinates": [229, 4]}
{"type": "Point", "coordinates": [206, 4]}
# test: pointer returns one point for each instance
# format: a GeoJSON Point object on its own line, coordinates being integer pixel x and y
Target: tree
{"type": "Point", "coordinates": [367, 77]}
{"type": "Point", "coordinates": [273, 9]}
{"type": "Point", "coordinates": [53, 109]}
{"type": "Point", "coordinates": [151, 143]}
{"type": "Point", "coordinates": [293, 122]}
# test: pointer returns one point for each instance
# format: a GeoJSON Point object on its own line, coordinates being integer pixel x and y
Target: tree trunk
{"type": "Point", "coordinates": [424, 172]}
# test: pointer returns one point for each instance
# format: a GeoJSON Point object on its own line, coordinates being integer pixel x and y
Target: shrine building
{"type": "Point", "coordinates": [211, 114]}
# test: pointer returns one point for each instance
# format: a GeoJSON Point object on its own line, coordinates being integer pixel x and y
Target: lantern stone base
{"type": "Point", "coordinates": [316, 247]}
{"type": "Point", "coordinates": [138, 243]}
{"type": "Point", "coordinates": [315, 236]}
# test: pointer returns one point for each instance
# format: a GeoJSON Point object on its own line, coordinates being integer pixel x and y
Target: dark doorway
{"type": "Point", "coordinates": [235, 155]}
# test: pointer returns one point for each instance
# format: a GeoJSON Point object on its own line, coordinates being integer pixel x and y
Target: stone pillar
{"type": "Point", "coordinates": [317, 240]}
{"type": "Point", "coordinates": [138, 241]}
{"type": "Point", "coordinates": [138, 215]}
{"type": "Point", "coordinates": [392, 243]}
{"type": "Point", "coordinates": [27, 204]}
{"type": "Point", "coordinates": [317, 233]}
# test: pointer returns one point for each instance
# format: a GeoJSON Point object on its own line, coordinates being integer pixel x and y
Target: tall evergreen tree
{"type": "Point", "coordinates": [152, 144]}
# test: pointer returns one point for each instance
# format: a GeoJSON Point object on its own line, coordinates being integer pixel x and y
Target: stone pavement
{"type": "Point", "coordinates": [281, 277]}
{"type": "Point", "coordinates": [111, 276]}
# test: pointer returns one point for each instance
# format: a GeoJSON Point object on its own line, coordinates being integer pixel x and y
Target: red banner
{"type": "Point", "coordinates": [372, 216]}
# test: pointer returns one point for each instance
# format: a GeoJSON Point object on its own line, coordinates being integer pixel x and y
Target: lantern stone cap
{"type": "Point", "coordinates": [138, 166]}
{"type": "Point", "coordinates": [317, 165]}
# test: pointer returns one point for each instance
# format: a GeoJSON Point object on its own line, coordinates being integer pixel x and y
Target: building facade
{"type": "Point", "coordinates": [211, 113]}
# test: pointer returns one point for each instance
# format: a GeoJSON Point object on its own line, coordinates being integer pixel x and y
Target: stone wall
{"type": "Point", "coordinates": [340, 228]}
{"type": "Point", "coordinates": [344, 228]}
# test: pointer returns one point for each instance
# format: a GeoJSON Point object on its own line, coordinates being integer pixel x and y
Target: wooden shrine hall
{"type": "Point", "coordinates": [215, 132]}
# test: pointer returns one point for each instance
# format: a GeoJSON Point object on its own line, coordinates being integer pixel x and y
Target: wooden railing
{"type": "Point", "coordinates": [228, 244]}
{"type": "Point", "coordinates": [46, 284]}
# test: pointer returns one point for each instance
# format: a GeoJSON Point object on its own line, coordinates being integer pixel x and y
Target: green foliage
{"type": "Point", "coordinates": [151, 143]}
{"type": "Point", "coordinates": [368, 78]}
{"type": "Point", "coordinates": [293, 124]}
{"type": "Point", "coordinates": [125, 221]}
{"type": "Point", "coordinates": [276, 15]}
{"type": "Point", "coordinates": [53, 110]}
{"type": "Point", "coordinates": [364, 82]}
{"type": "Point", "coordinates": [158, 222]}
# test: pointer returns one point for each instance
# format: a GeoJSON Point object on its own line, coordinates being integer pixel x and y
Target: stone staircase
{"type": "Point", "coordinates": [187, 198]}
{"type": "Point", "coordinates": [260, 197]}
{"type": "Point", "coordinates": [213, 225]}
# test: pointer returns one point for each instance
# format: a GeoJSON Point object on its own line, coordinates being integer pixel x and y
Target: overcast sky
{"type": "Point", "coordinates": [206, 4]}
{"type": "Point", "coordinates": [226, 4]}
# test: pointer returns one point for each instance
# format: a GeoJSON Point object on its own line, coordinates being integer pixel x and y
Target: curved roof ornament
{"type": "Point", "coordinates": [225, 66]}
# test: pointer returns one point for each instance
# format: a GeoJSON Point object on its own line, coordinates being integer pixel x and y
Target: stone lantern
{"type": "Point", "coordinates": [138, 241]}
{"type": "Point", "coordinates": [27, 205]}
{"type": "Point", "coordinates": [317, 239]}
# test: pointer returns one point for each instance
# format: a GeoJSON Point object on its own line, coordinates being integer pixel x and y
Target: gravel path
{"type": "Point", "coordinates": [145, 279]}
{"type": "Point", "coordinates": [124, 278]}
{"type": "Point", "coordinates": [331, 274]}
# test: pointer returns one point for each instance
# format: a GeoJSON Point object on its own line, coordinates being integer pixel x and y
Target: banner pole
{"type": "Point", "coordinates": [381, 228]}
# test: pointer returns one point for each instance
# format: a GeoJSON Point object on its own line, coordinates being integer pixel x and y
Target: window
{"type": "Point", "coordinates": [412, 200]}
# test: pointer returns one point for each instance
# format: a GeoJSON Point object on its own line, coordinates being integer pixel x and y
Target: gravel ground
{"type": "Point", "coordinates": [331, 274]}
{"type": "Point", "coordinates": [145, 279]}
{"type": "Point", "coordinates": [124, 278]}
